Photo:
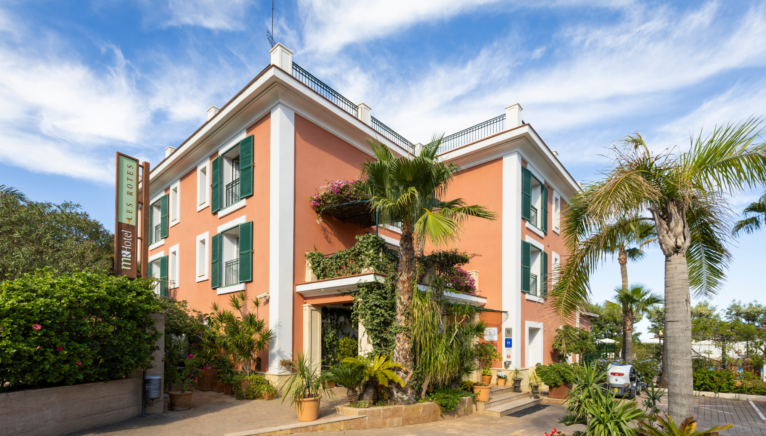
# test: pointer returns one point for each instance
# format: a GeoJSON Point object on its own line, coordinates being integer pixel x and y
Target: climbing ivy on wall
{"type": "Point", "coordinates": [374, 303]}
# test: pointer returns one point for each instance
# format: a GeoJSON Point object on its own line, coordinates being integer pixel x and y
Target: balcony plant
{"type": "Point", "coordinates": [305, 388]}
{"type": "Point", "coordinates": [185, 379]}
{"type": "Point", "coordinates": [344, 200]}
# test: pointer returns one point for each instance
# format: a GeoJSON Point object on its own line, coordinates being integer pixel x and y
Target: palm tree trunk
{"type": "Point", "coordinates": [622, 258]}
{"type": "Point", "coordinates": [674, 238]}
{"type": "Point", "coordinates": [663, 382]}
{"type": "Point", "coordinates": [403, 343]}
{"type": "Point", "coordinates": [628, 336]}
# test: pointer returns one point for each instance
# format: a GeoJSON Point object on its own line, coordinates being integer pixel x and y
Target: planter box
{"type": "Point", "coordinates": [559, 392]}
{"type": "Point", "coordinates": [397, 416]}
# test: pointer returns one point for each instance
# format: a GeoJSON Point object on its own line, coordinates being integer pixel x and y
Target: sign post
{"type": "Point", "coordinates": [126, 217]}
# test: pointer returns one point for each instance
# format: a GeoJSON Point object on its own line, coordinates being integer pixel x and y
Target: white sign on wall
{"type": "Point", "coordinates": [490, 334]}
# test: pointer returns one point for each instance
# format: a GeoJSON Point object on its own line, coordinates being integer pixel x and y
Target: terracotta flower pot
{"type": "Point", "coordinates": [558, 392]}
{"type": "Point", "coordinates": [501, 381]}
{"type": "Point", "coordinates": [486, 379]}
{"type": "Point", "coordinates": [206, 380]}
{"type": "Point", "coordinates": [243, 385]}
{"type": "Point", "coordinates": [227, 389]}
{"type": "Point", "coordinates": [483, 392]}
{"type": "Point", "coordinates": [219, 386]}
{"type": "Point", "coordinates": [307, 409]}
{"type": "Point", "coordinates": [329, 384]}
{"type": "Point", "coordinates": [180, 400]}
{"type": "Point", "coordinates": [269, 396]}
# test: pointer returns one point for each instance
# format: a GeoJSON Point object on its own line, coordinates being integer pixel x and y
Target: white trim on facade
{"type": "Point", "coordinates": [537, 244]}
{"type": "Point", "coordinates": [337, 286]}
{"type": "Point", "coordinates": [174, 203]}
{"type": "Point", "coordinates": [202, 259]}
{"type": "Point", "coordinates": [203, 200]}
{"type": "Point", "coordinates": [556, 212]}
{"type": "Point", "coordinates": [511, 251]}
{"type": "Point", "coordinates": [174, 264]}
{"type": "Point", "coordinates": [235, 222]}
{"type": "Point", "coordinates": [233, 208]}
{"type": "Point", "coordinates": [157, 244]}
{"type": "Point", "coordinates": [156, 256]}
{"type": "Point", "coordinates": [534, 298]}
{"type": "Point", "coordinates": [232, 142]}
{"type": "Point", "coordinates": [392, 228]}
{"type": "Point", "coordinates": [534, 325]}
{"type": "Point", "coordinates": [230, 289]}
{"type": "Point", "coordinates": [534, 229]}
{"type": "Point", "coordinates": [555, 262]}
{"type": "Point", "coordinates": [281, 231]}
{"type": "Point", "coordinates": [389, 240]}
{"type": "Point", "coordinates": [459, 297]}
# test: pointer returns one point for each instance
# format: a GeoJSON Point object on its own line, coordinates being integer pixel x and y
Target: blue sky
{"type": "Point", "coordinates": [80, 80]}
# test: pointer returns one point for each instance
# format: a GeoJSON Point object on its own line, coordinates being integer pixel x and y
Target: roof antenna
{"type": "Point", "coordinates": [270, 34]}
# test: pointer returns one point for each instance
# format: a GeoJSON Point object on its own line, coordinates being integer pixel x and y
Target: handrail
{"type": "Point", "coordinates": [325, 91]}
{"type": "Point", "coordinates": [473, 133]}
{"type": "Point", "coordinates": [392, 135]}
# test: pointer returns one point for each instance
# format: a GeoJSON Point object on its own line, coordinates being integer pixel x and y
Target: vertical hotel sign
{"type": "Point", "coordinates": [125, 243]}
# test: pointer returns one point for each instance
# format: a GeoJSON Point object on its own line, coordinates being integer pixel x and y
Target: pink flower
{"type": "Point", "coordinates": [37, 326]}
{"type": "Point", "coordinates": [190, 356]}
{"type": "Point", "coordinates": [78, 363]}
{"type": "Point", "coordinates": [193, 344]}
{"type": "Point", "coordinates": [59, 348]}
{"type": "Point", "coordinates": [207, 367]}
{"type": "Point", "coordinates": [38, 347]}
{"type": "Point", "coordinates": [195, 378]}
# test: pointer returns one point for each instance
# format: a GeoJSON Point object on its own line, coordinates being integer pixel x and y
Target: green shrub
{"type": "Point", "coordinates": [74, 328]}
{"type": "Point", "coordinates": [557, 374]}
{"type": "Point", "coordinates": [448, 398]}
{"type": "Point", "coordinates": [347, 347]}
{"type": "Point", "coordinates": [647, 368]}
{"type": "Point", "coordinates": [258, 388]}
{"type": "Point", "coordinates": [714, 381]}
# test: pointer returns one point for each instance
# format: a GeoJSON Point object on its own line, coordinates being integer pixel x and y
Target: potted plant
{"type": "Point", "coordinates": [486, 376]}
{"type": "Point", "coordinates": [328, 379]}
{"type": "Point", "coordinates": [482, 391]}
{"type": "Point", "coordinates": [185, 378]}
{"type": "Point", "coordinates": [350, 377]}
{"type": "Point", "coordinates": [305, 387]}
{"type": "Point", "coordinates": [486, 354]}
{"type": "Point", "coordinates": [502, 378]}
{"type": "Point", "coordinates": [223, 369]}
{"type": "Point", "coordinates": [559, 378]}
{"type": "Point", "coordinates": [228, 379]}
{"type": "Point", "coordinates": [516, 380]}
{"type": "Point", "coordinates": [534, 384]}
{"type": "Point", "coordinates": [376, 371]}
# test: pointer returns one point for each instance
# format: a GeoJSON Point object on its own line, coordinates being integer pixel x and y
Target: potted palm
{"type": "Point", "coordinates": [534, 384]}
{"type": "Point", "coordinates": [305, 387]}
{"type": "Point", "coordinates": [376, 371]}
{"type": "Point", "coordinates": [185, 379]}
{"type": "Point", "coordinates": [348, 376]}
{"type": "Point", "coordinates": [516, 380]}
{"type": "Point", "coordinates": [502, 378]}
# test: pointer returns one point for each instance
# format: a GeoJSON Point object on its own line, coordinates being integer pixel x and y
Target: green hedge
{"type": "Point", "coordinates": [74, 328]}
{"type": "Point", "coordinates": [557, 374]}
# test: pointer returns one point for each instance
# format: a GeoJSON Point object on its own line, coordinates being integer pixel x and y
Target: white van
{"type": "Point", "coordinates": [622, 380]}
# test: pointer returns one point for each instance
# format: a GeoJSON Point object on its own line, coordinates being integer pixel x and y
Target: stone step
{"type": "Point", "coordinates": [512, 407]}
{"type": "Point", "coordinates": [498, 390]}
{"type": "Point", "coordinates": [502, 398]}
{"type": "Point", "coordinates": [328, 423]}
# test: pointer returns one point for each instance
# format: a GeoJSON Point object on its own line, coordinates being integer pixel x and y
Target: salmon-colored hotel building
{"type": "Point", "coordinates": [230, 212]}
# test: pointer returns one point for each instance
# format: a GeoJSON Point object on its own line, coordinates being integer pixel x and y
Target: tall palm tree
{"type": "Point", "coordinates": [686, 196]}
{"type": "Point", "coordinates": [755, 216]}
{"type": "Point", "coordinates": [634, 303]}
{"type": "Point", "coordinates": [411, 191]}
{"type": "Point", "coordinates": [12, 192]}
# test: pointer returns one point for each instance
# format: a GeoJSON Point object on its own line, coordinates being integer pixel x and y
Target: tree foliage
{"type": "Point", "coordinates": [36, 235]}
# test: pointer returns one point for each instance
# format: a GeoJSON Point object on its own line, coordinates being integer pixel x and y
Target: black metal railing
{"type": "Point", "coordinates": [533, 284]}
{"type": "Point", "coordinates": [231, 276]}
{"type": "Point", "coordinates": [232, 193]}
{"type": "Point", "coordinates": [474, 133]}
{"type": "Point", "coordinates": [391, 135]}
{"type": "Point", "coordinates": [157, 232]}
{"type": "Point", "coordinates": [325, 91]}
{"type": "Point", "coordinates": [533, 216]}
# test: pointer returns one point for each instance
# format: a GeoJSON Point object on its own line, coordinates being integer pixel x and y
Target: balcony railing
{"type": "Point", "coordinates": [474, 133]}
{"type": "Point", "coordinates": [231, 275]}
{"type": "Point", "coordinates": [232, 193]}
{"type": "Point", "coordinates": [533, 285]}
{"type": "Point", "coordinates": [325, 91]}
{"type": "Point", "coordinates": [533, 216]}
{"type": "Point", "coordinates": [157, 232]}
{"type": "Point", "coordinates": [391, 135]}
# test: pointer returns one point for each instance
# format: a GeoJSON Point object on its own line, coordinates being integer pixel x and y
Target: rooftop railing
{"type": "Point", "coordinates": [325, 91]}
{"type": "Point", "coordinates": [392, 136]}
{"type": "Point", "coordinates": [474, 133]}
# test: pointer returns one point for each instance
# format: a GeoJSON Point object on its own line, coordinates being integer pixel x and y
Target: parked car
{"type": "Point", "coordinates": [622, 380]}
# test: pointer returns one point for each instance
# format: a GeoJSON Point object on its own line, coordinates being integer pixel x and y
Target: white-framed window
{"type": "Point", "coordinates": [173, 267]}
{"type": "Point", "coordinates": [555, 265]}
{"type": "Point", "coordinates": [203, 256]}
{"type": "Point", "coordinates": [157, 267]}
{"type": "Point", "coordinates": [203, 185]}
{"type": "Point", "coordinates": [556, 212]}
{"type": "Point", "coordinates": [175, 203]}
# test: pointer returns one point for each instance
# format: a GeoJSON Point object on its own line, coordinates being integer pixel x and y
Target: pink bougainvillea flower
{"type": "Point", "coordinates": [78, 363]}
{"type": "Point", "coordinates": [193, 344]}
{"type": "Point", "coordinates": [195, 378]}
{"type": "Point", "coordinates": [37, 326]}
{"type": "Point", "coordinates": [190, 356]}
{"type": "Point", "coordinates": [59, 348]}
{"type": "Point", "coordinates": [38, 347]}
{"type": "Point", "coordinates": [207, 367]}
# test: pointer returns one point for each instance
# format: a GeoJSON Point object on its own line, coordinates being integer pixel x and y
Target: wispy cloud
{"type": "Point", "coordinates": [229, 15]}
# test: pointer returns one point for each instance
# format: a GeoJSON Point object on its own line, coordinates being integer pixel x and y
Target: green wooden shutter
{"type": "Point", "coordinates": [544, 219]}
{"type": "Point", "coordinates": [544, 273]}
{"type": "Point", "coordinates": [151, 269]}
{"type": "Point", "coordinates": [526, 263]}
{"type": "Point", "coordinates": [164, 276]}
{"type": "Point", "coordinates": [215, 261]}
{"type": "Point", "coordinates": [246, 168]}
{"type": "Point", "coordinates": [164, 214]}
{"type": "Point", "coordinates": [246, 252]}
{"type": "Point", "coordinates": [526, 194]}
{"type": "Point", "coordinates": [151, 225]}
{"type": "Point", "coordinates": [215, 185]}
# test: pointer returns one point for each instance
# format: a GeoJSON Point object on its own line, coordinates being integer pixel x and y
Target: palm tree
{"type": "Point", "coordinates": [685, 194]}
{"type": "Point", "coordinates": [12, 192]}
{"type": "Point", "coordinates": [755, 216]}
{"type": "Point", "coordinates": [634, 302]}
{"type": "Point", "coordinates": [410, 191]}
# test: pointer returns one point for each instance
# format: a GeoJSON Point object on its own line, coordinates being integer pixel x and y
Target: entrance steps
{"type": "Point", "coordinates": [503, 401]}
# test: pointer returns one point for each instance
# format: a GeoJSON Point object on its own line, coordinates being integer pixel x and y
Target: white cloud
{"type": "Point", "coordinates": [229, 15]}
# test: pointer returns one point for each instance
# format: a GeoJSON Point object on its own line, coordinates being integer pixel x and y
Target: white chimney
{"type": "Point", "coordinates": [282, 57]}
{"type": "Point", "coordinates": [555, 153]}
{"type": "Point", "coordinates": [212, 111]}
{"type": "Point", "coordinates": [513, 116]}
{"type": "Point", "coordinates": [579, 184]}
{"type": "Point", "coordinates": [365, 113]}
{"type": "Point", "coordinates": [169, 150]}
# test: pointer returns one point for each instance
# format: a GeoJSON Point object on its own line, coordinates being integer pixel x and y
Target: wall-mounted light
{"type": "Point", "coordinates": [264, 296]}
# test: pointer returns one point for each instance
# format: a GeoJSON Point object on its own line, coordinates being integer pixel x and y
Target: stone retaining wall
{"type": "Point", "coordinates": [397, 416]}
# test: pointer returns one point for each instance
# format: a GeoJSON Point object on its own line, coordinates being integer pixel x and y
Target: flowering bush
{"type": "Point", "coordinates": [187, 375]}
{"type": "Point", "coordinates": [74, 328]}
{"type": "Point", "coordinates": [460, 280]}
{"type": "Point", "coordinates": [447, 264]}
{"type": "Point", "coordinates": [337, 192]}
